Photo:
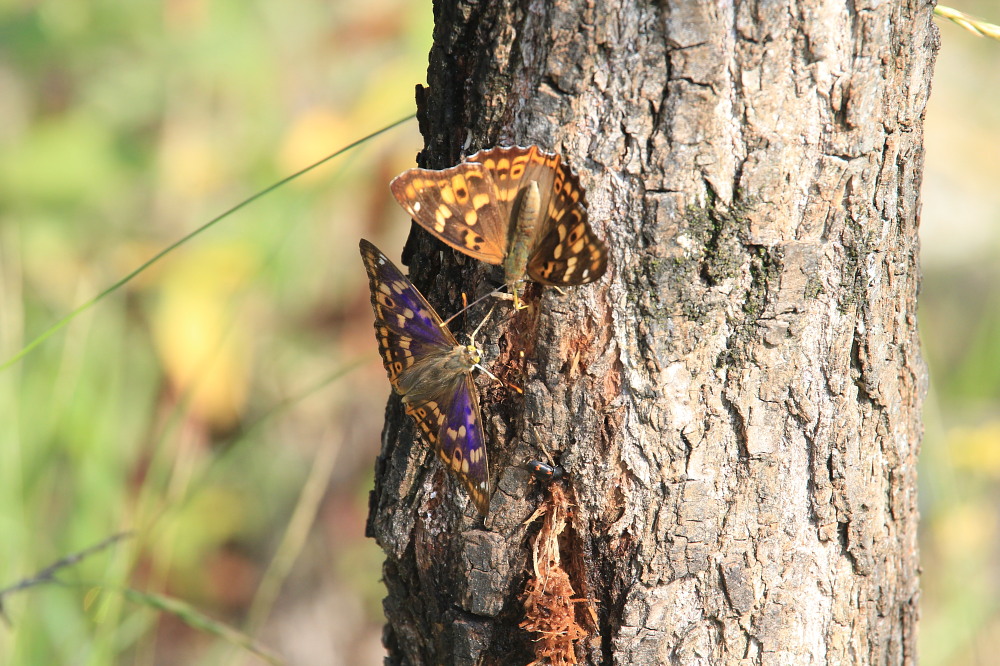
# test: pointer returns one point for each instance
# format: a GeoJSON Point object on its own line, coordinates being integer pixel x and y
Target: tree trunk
{"type": "Point", "coordinates": [737, 402]}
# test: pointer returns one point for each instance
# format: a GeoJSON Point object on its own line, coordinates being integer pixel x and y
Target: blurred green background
{"type": "Point", "coordinates": [960, 328]}
{"type": "Point", "coordinates": [227, 403]}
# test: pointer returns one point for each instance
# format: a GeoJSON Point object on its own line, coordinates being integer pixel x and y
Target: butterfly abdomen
{"type": "Point", "coordinates": [522, 233]}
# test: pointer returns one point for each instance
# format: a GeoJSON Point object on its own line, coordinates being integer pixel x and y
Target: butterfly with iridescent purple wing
{"type": "Point", "coordinates": [431, 371]}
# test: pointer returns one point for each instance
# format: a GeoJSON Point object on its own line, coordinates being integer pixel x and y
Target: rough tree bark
{"type": "Point", "coordinates": [737, 403]}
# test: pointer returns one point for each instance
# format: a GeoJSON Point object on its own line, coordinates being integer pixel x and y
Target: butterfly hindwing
{"type": "Point", "coordinates": [567, 251]}
{"type": "Point", "coordinates": [457, 436]}
{"type": "Point", "coordinates": [461, 444]}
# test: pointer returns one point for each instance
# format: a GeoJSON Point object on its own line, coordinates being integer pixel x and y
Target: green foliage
{"type": "Point", "coordinates": [127, 126]}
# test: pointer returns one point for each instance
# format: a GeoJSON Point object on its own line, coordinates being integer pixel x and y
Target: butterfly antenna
{"type": "Point", "coordinates": [472, 343]}
{"type": "Point", "coordinates": [472, 338]}
{"type": "Point", "coordinates": [473, 304]}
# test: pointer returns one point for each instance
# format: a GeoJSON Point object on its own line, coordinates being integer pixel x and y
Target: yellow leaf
{"type": "Point", "coordinates": [201, 335]}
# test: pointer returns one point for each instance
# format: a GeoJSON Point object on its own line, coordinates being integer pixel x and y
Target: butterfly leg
{"type": "Point", "coordinates": [518, 303]}
{"type": "Point", "coordinates": [475, 350]}
{"type": "Point", "coordinates": [513, 296]}
{"type": "Point", "coordinates": [489, 374]}
{"type": "Point", "coordinates": [472, 338]}
{"type": "Point", "coordinates": [496, 293]}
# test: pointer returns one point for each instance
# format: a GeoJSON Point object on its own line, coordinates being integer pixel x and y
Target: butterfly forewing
{"type": "Point", "coordinates": [407, 328]}
{"type": "Point", "coordinates": [458, 206]}
{"type": "Point", "coordinates": [431, 371]}
{"type": "Point", "coordinates": [511, 169]}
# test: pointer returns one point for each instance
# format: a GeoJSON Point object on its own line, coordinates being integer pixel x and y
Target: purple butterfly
{"type": "Point", "coordinates": [431, 371]}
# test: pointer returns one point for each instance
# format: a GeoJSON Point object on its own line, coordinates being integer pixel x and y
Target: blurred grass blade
{"type": "Point", "coordinates": [232, 443]}
{"type": "Point", "coordinates": [170, 248]}
{"type": "Point", "coordinates": [296, 535]}
{"type": "Point", "coordinates": [198, 620]}
{"type": "Point", "coordinates": [290, 401]}
{"type": "Point", "coordinates": [971, 23]}
{"type": "Point", "coordinates": [48, 574]}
